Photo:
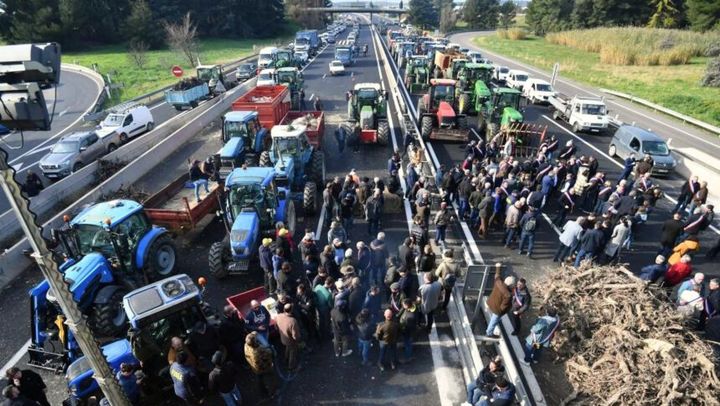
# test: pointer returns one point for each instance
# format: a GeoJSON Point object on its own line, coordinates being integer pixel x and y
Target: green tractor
{"type": "Point", "coordinates": [293, 79]}
{"type": "Point", "coordinates": [285, 58]}
{"type": "Point", "coordinates": [454, 69]}
{"type": "Point", "coordinates": [368, 106]}
{"type": "Point", "coordinates": [417, 76]}
{"type": "Point", "coordinates": [473, 81]}
{"type": "Point", "coordinates": [500, 111]}
{"type": "Point", "coordinates": [214, 74]}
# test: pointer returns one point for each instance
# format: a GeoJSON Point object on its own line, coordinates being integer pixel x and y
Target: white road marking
{"type": "Point", "coordinates": [324, 75]}
{"type": "Point", "coordinates": [311, 97]}
{"type": "Point", "coordinates": [15, 358]}
{"type": "Point", "coordinates": [62, 113]}
{"type": "Point", "coordinates": [17, 166]}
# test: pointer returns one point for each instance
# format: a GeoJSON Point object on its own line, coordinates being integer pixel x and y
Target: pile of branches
{"type": "Point", "coordinates": [624, 343]}
{"type": "Point", "coordinates": [129, 193]}
{"type": "Point", "coordinates": [107, 169]}
{"type": "Point", "coordinates": [187, 83]}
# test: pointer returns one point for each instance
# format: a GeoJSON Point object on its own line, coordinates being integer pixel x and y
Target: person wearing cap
{"type": "Point", "coordinates": [282, 243]}
{"type": "Point", "coordinates": [541, 334]}
{"type": "Point", "coordinates": [396, 298]}
{"type": "Point", "coordinates": [387, 334]}
{"type": "Point", "coordinates": [265, 254]}
{"type": "Point", "coordinates": [260, 359]}
{"type": "Point", "coordinates": [348, 260]}
{"type": "Point", "coordinates": [290, 336]}
{"type": "Point", "coordinates": [222, 380]}
{"type": "Point", "coordinates": [500, 301]}
{"type": "Point", "coordinates": [447, 273]}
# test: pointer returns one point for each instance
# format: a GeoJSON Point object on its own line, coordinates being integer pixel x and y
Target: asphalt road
{"type": "Point", "coordinates": [433, 378]}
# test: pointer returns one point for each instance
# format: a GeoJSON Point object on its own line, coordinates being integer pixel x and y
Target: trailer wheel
{"type": "Point", "coordinates": [265, 159]}
{"type": "Point", "coordinates": [109, 319]}
{"type": "Point", "coordinates": [463, 103]}
{"type": "Point", "coordinates": [383, 133]}
{"type": "Point", "coordinates": [556, 115]}
{"type": "Point", "coordinates": [426, 126]}
{"type": "Point", "coordinates": [217, 263]}
{"type": "Point", "coordinates": [161, 258]}
{"type": "Point", "coordinates": [462, 122]}
{"type": "Point", "coordinates": [317, 167]}
{"type": "Point", "coordinates": [310, 198]}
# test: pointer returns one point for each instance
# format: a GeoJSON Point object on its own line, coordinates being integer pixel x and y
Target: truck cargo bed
{"type": "Point", "coordinates": [271, 102]}
{"type": "Point", "coordinates": [175, 206]}
{"type": "Point", "coordinates": [315, 135]}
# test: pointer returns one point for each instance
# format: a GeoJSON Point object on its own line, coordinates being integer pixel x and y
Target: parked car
{"type": "Point", "coordinates": [302, 57]}
{"type": "Point", "coordinates": [76, 150]}
{"type": "Point", "coordinates": [126, 121]}
{"type": "Point", "coordinates": [629, 139]}
{"type": "Point", "coordinates": [538, 91]}
{"type": "Point", "coordinates": [516, 79]}
{"type": "Point", "coordinates": [337, 68]}
{"type": "Point", "coordinates": [501, 73]}
{"type": "Point", "coordinates": [266, 77]}
{"type": "Point", "coordinates": [246, 71]}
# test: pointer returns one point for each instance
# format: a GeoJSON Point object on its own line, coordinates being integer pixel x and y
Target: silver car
{"type": "Point", "coordinates": [640, 142]}
{"type": "Point", "coordinates": [74, 151]}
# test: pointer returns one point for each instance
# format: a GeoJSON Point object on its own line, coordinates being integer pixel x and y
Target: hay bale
{"type": "Point", "coordinates": [624, 343]}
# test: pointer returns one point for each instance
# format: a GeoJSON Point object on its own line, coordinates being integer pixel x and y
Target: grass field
{"type": "Point", "coordinates": [675, 87]}
{"type": "Point", "coordinates": [156, 72]}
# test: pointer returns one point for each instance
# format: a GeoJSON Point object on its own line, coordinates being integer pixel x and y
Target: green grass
{"type": "Point", "coordinates": [520, 21]}
{"type": "Point", "coordinates": [675, 87]}
{"type": "Point", "coordinates": [156, 72]}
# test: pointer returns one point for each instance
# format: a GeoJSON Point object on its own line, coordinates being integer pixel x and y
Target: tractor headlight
{"type": "Point", "coordinates": [238, 236]}
{"type": "Point", "coordinates": [246, 252]}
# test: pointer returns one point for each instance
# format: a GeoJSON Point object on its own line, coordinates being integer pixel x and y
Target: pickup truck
{"type": "Point", "coordinates": [187, 98]}
{"type": "Point", "coordinates": [582, 113]}
{"type": "Point", "coordinates": [175, 208]}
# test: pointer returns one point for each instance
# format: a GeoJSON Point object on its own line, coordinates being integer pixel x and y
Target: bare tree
{"type": "Point", "coordinates": [137, 53]}
{"type": "Point", "coordinates": [182, 38]}
{"type": "Point", "coordinates": [448, 17]}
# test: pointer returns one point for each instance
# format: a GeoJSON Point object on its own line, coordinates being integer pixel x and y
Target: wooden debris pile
{"type": "Point", "coordinates": [107, 168]}
{"type": "Point", "coordinates": [129, 193]}
{"type": "Point", "coordinates": [624, 343]}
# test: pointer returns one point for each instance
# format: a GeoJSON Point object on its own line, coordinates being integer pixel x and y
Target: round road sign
{"type": "Point", "coordinates": [177, 71]}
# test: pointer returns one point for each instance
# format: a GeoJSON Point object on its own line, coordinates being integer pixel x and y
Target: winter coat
{"type": "Point", "coordinates": [430, 296]}
{"type": "Point", "coordinates": [289, 329]}
{"type": "Point", "coordinates": [260, 359]}
{"type": "Point", "coordinates": [379, 253]}
{"type": "Point", "coordinates": [682, 249]}
{"type": "Point", "coordinates": [677, 272]}
{"type": "Point", "coordinates": [500, 300]}
{"type": "Point", "coordinates": [571, 233]}
{"type": "Point", "coordinates": [448, 267]}
{"type": "Point", "coordinates": [266, 262]}
{"type": "Point", "coordinates": [619, 235]}
{"type": "Point", "coordinates": [670, 230]}
{"type": "Point", "coordinates": [340, 322]}
{"type": "Point", "coordinates": [388, 331]}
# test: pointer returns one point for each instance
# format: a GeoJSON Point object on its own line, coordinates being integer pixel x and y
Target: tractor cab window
{"type": "Point", "coordinates": [286, 77]}
{"type": "Point", "coordinates": [508, 100]}
{"type": "Point", "coordinates": [242, 196]}
{"type": "Point", "coordinates": [286, 146]}
{"type": "Point", "coordinates": [234, 129]}
{"type": "Point", "coordinates": [444, 92]}
{"type": "Point", "coordinates": [206, 74]}
{"type": "Point", "coordinates": [367, 94]}
{"type": "Point", "coordinates": [130, 231]}
{"type": "Point", "coordinates": [175, 324]}
{"type": "Point", "coordinates": [92, 238]}
{"type": "Point", "coordinates": [593, 109]}
{"type": "Point", "coordinates": [283, 56]}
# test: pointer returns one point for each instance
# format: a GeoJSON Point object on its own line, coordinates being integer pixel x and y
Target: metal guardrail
{"type": "Point", "coordinates": [656, 107]}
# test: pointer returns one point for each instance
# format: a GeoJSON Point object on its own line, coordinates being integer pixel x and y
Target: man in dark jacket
{"type": "Point", "coordinates": [341, 329]}
{"type": "Point", "coordinates": [266, 253]}
{"type": "Point", "coordinates": [520, 304]}
{"type": "Point", "coordinates": [408, 319]}
{"type": "Point", "coordinates": [380, 256]}
{"type": "Point", "coordinates": [671, 229]}
{"type": "Point", "coordinates": [628, 166]}
{"type": "Point", "coordinates": [222, 380]}
{"type": "Point", "coordinates": [33, 184]}
{"type": "Point", "coordinates": [500, 300]}
{"type": "Point", "coordinates": [406, 253]}
{"type": "Point", "coordinates": [590, 243]}
{"type": "Point", "coordinates": [485, 381]}
{"type": "Point", "coordinates": [232, 334]}
{"type": "Point", "coordinates": [387, 334]}
{"type": "Point", "coordinates": [13, 397]}
{"type": "Point", "coordinates": [29, 383]}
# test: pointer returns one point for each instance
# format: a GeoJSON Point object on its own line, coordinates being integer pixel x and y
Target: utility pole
{"type": "Point", "coordinates": [74, 318]}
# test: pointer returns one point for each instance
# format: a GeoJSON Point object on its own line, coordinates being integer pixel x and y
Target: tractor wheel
{"type": "Point", "coordinates": [426, 127]}
{"type": "Point", "coordinates": [463, 103]}
{"type": "Point", "coordinates": [492, 129]}
{"type": "Point", "coordinates": [251, 160]}
{"type": "Point", "coordinates": [462, 122]}
{"type": "Point", "coordinates": [161, 258]}
{"type": "Point", "coordinates": [310, 198]}
{"type": "Point", "coordinates": [109, 319]}
{"type": "Point", "coordinates": [317, 167]}
{"type": "Point", "coordinates": [383, 133]}
{"type": "Point", "coordinates": [265, 159]}
{"type": "Point", "coordinates": [218, 258]}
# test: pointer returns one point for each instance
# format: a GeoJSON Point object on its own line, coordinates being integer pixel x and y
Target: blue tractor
{"type": "Point", "coordinates": [299, 166]}
{"type": "Point", "coordinates": [244, 139]}
{"type": "Point", "coordinates": [157, 312]}
{"type": "Point", "coordinates": [110, 249]}
{"type": "Point", "coordinates": [251, 205]}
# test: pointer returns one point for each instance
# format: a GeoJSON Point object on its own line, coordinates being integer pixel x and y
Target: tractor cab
{"type": "Point", "coordinates": [407, 48]}
{"type": "Point", "coordinates": [416, 74]}
{"type": "Point", "coordinates": [210, 74]}
{"type": "Point", "coordinates": [285, 58]}
{"type": "Point", "coordinates": [442, 90]}
{"type": "Point", "coordinates": [473, 72]}
{"type": "Point", "coordinates": [455, 66]}
{"type": "Point", "coordinates": [368, 107]}
{"type": "Point", "coordinates": [506, 102]}
{"type": "Point", "coordinates": [291, 77]}
{"type": "Point", "coordinates": [243, 137]}
{"type": "Point", "coordinates": [290, 148]}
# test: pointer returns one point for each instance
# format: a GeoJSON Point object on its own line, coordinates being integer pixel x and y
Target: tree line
{"type": "Point", "coordinates": [78, 23]}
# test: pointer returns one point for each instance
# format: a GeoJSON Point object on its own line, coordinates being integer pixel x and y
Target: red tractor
{"type": "Point", "coordinates": [437, 110]}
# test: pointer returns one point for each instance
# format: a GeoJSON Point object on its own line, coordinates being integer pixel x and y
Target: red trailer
{"type": "Point", "coordinates": [314, 134]}
{"type": "Point", "coordinates": [271, 102]}
{"type": "Point", "coordinates": [241, 302]}
{"type": "Point", "coordinates": [175, 207]}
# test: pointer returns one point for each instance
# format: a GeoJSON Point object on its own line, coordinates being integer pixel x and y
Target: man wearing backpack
{"type": "Point", "coordinates": [447, 272]}
{"type": "Point", "coordinates": [528, 225]}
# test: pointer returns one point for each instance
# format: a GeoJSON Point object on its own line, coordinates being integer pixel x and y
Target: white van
{"type": "Point", "coordinates": [538, 91]}
{"type": "Point", "coordinates": [516, 79]}
{"type": "Point", "coordinates": [127, 120]}
{"type": "Point", "coordinates": [266, 77]}
{"type": "Point", "coordinates": [267, 57]}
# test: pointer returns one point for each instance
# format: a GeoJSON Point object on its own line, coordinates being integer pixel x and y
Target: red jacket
{"type": "Point", "coordinates": [676, 273]}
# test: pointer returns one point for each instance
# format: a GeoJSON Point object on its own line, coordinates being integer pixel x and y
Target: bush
{"type": "Point", "coordinates": [712, 74]}
{"type": "Point", "coordinates": [516, 34]}
{"type": "Point", "coordinates": [502, 34]}
{"type": "Point", "coordinates": [713, 50]}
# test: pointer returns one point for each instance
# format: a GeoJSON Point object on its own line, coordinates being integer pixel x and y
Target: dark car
{"type": "Point", "coordinates": [246, 71]}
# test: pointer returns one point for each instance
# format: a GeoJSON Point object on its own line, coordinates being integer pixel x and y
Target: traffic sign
{"type": "Point", "coordinates": [177, 71]}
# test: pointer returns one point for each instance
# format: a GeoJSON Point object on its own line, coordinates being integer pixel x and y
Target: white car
{"type": "Point", "coordinates": [127, 121]}
{"type": "Point", "coordinates": [538, 91]}
{"type": "Point", "coordinates": [266, 77]}
{"type": "Point", "coordinates": [475, 57]}
{"type": "Point", "coordinates": [501, 73]}
{"type": "Point", "coordinates": [302, 57]}
{"type": "Point", "coordinates": [336, 68]}
{"type": "Point", "coordinates": [516, 79]}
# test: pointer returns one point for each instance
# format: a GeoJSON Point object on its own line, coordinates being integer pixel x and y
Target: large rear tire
{"type": "Point", "coordinates": [463, 103]}
{"type": "Point", "coordinates": [462, 122]}
{"type": "Point", "coordinates": [265, 159]}
{"type": "Point", "coordinates": [109, 319]}
{"type": "Point", "coordinates": [310, 198]}
{"type": "Point", "coordinates": [217, 259]}
{"type": "Point", "coordinates": [161, 258]}
{"type": "Point", "coordinates": [426, 126]}
{"type": "Point", "coordinates": [383, 133]}
{"type": "Point", "coordinates": [317, 167]}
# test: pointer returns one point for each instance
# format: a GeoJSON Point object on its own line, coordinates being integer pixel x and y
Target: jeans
{"type": "Point", "coordinates": [233, 397]}
{"type": "Point", "coordinates": [390, 350]}
{"type": "Point", "coordinates": [510, 235]}
{"type": "Point", "coordinates": [197, 184]}
{"type": "Point", "coordinates": [377, 275]}
{"type": "Point", "coordinates": [347, 224]}
{"type": "Point", "coordinates": [582, 254]}
{"type": "Point", "coordinates": [429, 320]}
{"type": "Point", "coordinates": [407, 345]}
{"type": "Point", "coordinates": [474, 214]}
{"type": "Point", "coordinates": [531, 353]}
{"type": "Point", "coordinates": [462, 210]}
{"type": "Point", "coordinates": [681, 205]}
{"type": "Point", "coordinates": [530, 238]}
{"type": "Point", "coordinates": [373, 226]}
{"type": "Point", "coordinates": [329, 213]}
{"type": "Point", "coordinates": [562, 252]}
{"type": "Point", "coordinates": [364, 349]}
{"type": "Point", "coordinates": [440, 233]}
{"type": "Point", "coordinates": [494, 321]}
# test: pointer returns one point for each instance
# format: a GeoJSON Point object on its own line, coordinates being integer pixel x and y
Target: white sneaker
{"type": "Point", "coordinates": [347, 353]}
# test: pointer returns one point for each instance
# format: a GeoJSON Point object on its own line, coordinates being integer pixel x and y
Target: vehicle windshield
{"type": "Point", "coordinates": [444, 92]}
{"type": "Point", "coordinates": [521, 78]}
{"type": "Point", "coordinates": [336, 63]}
{"type": "Point", "coordinates": [94, 238]}
{"type": "Point", "coordinates": [265, 76]}
{"type": "Point", "coordinates": [504, 70]}
{"type": "Point", "coordinates": [265, 59]}
{"type": "Point", "coordinates": [208, 74]}
{"type": "Point", "coordinates": [367, 94]}
{"type": "Point", "coordinates": [66, 147]}
{"type": "Point", "coordinates": [286, 77]}
{"type": "Point", "coordinates": [302, 41]}
{"type": "Point", "coordinates": [286, 146]}
{"type": "Point", "coordinates": [242, 196]}
{"type": "Point", "coordinates": [113, 120]}
{"type": "Point", "coordinates": [655, 148]}
{"type": "Point", "coordinates": [245, 68]}
{"type": "Point", "coordinates": [594, 109]}
{"type": "Point", "coordinates": [284, 56]}
{"type": "Point", "coordinates": [234, 129]}
{"type": "Point", "coordinates": [543, 87]}
{"type": "Point", "coordinates": [342, 52]}
{"type": "Point", "coordinates": [162, 327]}
{"type": "Point", "coordinates": [508, 100]}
